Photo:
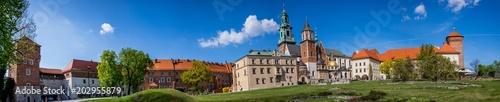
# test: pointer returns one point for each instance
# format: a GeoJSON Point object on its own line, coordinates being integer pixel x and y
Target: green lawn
{"type": "Point", "coordinates": [489, 91]}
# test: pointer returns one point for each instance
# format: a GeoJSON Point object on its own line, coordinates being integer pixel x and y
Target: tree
{"type": "Point", "coordinates": [134, 65]}
{"type": "Point", "coordinates": [8, 90]}
{"type": "Point", "coordinates": [482, 69]}
{"type": "Point", "coordinates": [427, 62]}
{"type": "Point", "coordinates": [108, 72]}
{"type": "Point", "coordinates": [386, 67]}
{"type": "Point", "coordinates": [496, 66]}
{"type": "Point", "coordinates": [446, 68]}
{"type": "Point", "coordinates": [12, 21]}
{"type": "Point", "coordinates": [474, 65]}
{"type": "Point", "coordinates": [199, 73]}
{"type": "Point", "coordinates": [403, 69]}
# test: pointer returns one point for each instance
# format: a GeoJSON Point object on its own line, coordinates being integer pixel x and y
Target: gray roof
{"type": "Point", "coordinates": [294, 50]}
{"type": "Point", "coordinates": [306, 26]}
{"type": "Point", "coordinates": [335, 52]}
{"type": "Point", "coordinates": [264, 53]}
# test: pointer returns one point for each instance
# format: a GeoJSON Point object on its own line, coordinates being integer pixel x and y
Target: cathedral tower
{"type": "Point", "coordinates": [308, 44]}
{"type": "Point", "coordinates": [286, 35]}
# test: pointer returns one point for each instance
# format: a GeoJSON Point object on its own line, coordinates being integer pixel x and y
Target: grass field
{"type": "Point", "coordinates": [489, 91]}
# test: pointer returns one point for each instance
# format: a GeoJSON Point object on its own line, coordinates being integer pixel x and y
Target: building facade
{"type": "Point", "coordinates": [364, 59]}
{"type": "Point", "coordinates": [264, 69]}
{"type": "Point", "coordinates": [80, 74]}
{"type": "Point", "coordinates": [163, 75]}
{"type": "Point", "coordinates": [54, 79]}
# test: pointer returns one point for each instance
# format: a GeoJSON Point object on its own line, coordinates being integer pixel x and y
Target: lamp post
{"type": "Point", "coordinates": [174, 62]}
{"type": "Point", "coordinates": [88, 76]}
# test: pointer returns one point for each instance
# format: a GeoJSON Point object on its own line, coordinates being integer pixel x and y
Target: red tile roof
{"type": "Point", "coordinates": [454, 34]}
{"type": "Point", "coordinates": [400, 53]}
{"type": "Point", "coordinates": [50, 71]}
{"type": "Point", "coordinates": [152, 84]}
{"type": "Point", "coordinates": [161, 64]}
{"type": "Point", "coordinates": [81, 65]}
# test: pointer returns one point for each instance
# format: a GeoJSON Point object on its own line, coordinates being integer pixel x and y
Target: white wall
{"type": "Point", "coordinates": [74, 82]}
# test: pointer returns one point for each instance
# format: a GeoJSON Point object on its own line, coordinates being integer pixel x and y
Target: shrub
{"type": "Point", "coordinates": [324, 93]}
{"type": "Point", "coordinates": [225, 89]}
{"type": "Point", "coordinates": [349, 93]}
{"type": "Point", "coordinates": [374, 95]}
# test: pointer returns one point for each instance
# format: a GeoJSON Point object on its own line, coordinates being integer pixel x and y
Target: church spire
{"type": "Point", "coordinates": [286, 35]}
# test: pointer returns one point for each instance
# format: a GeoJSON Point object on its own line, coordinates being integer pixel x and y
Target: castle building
{"type": "Point", "coordinates": [264, 69]}
{"type": "Point", "coordinates": [79, 74]}
{"type": "Point", "coordinates": [164, 74]}
{"type": "Point", "coordinates": [364, 59]}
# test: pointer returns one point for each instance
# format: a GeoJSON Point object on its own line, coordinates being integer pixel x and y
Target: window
{"type": "Point", "coordinates": [292, 70]}
{"type": "Point", "coordinates": [168, 79]}
{"type": "Point", "coordinates": [25, 61]}
{"type": "Point", "coordinates": [28, 72]}
{"type": "Point", "coordinates": [278, 78]}
{"type": "Point", "coordinates": [286, 70]}
{"type": "Point", "coordinates": [162, 79]}
{"type": "Point", "coordinates": [364, 70]}
{"type": "Point", "coordinates": [356, 70]}
{"type": "Point", "coordinates": [150, 79]}
{"type": "Point", "coordinates": [253, 70]}
{"type": "Point", "coordinates": [176, 73]}
{"type": "Point", "coordinates": [169, 73]}
{"type": "Point", "coordinates": [261, 70]}
{"type": "Point", "coordinates": [268, 70]}
{"type": "Point", "coordinates": [260, 61]}
{"type": "Point", "coordinates": [92, 81]}
{"type": "Point", "coordinates": [267, 60]}
{"type": "Point", "coordinates": [263, 80]}
{"type": "Point", "coordinates": [356, 64]}
{"type": "Point", "coordinates": [238, 75]}
{"type": "Point", "coordinates": [290, 78]}
{"type": "Point", "coordinates": [271, 79]}
{"type": "Point", "coordinates": [245, 72]}
{"type": "Point", "coordinates": [84, 81]}
{"type": "Point", "coordinates": [253, 61]}
{"type": "Point", "coordinates": [31, 61]}
{"type": "Point", "coordinates": [364, 63]}
{"type": "Point", "coordinates": [286, 62]}
{"type": "Point", "coordinates": [257, 80]}
{"type": "Point", "coordinates": [28, 84]}
{"type": "Point", "coordinates": [276, 61]}
{"type": "Point", "coordinates": [277, 70]}
{"type": "Point", "coordinates": [152, 73]}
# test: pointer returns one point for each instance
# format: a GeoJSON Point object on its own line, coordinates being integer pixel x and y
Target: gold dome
{"type": "Point", "coordinates": [332, 63]}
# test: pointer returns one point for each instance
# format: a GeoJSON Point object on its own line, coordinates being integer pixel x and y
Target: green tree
{"type": "Point", "coordinates": [8, 90]}
{"type": "Point", "coordinates": [386, 67]}
{"type": "Point", "coordinates": [482, 69]}
{"type": "Point", "coordinates": [427, 62]}
{"type": "Point", "coordinates": [134, 65]}
{"type": "Point", "coordinates": [13, 20]}
{"type": "Point", "coordinates": [496, 66]}
{"type": "Point", "coordinates": [474, 65]}
{"type": "Point", "coordinates": [403, 69]}
{"type": "Point", "coordinates": [446, 68]}
{"type": "Point", "coordinates": [199, 73]}
{"type": "Point", "coordinates": [108, 72]}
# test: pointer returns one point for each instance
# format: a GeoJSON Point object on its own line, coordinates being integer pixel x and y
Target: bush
{"type": "Point", "coordinates": [325, 93]}
{"type": "Point", "coordinates": [349, 93]}
{"type": "Point", "coordinates": [374, 95]}
{"type": "Point", "coordinates": [225, 89]}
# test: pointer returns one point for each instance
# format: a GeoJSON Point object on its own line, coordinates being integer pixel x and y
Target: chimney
{"type": "Point", "coordinates": [156, 60]}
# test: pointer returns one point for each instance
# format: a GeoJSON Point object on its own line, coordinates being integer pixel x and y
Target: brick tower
{"type": "Point", "coordinates": [308, 51]}
{"type": "Point", "coordinates": [27, 71]}
{"type": "Point", "coordinates": [456, 41]}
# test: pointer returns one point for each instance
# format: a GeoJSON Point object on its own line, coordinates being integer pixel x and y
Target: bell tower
{"type": "Point", "coordinates": [286, 35]}
{"type": "Point", "coordinates": [308, 44]}
{"type": "Point", "coordinates": [456, 41]}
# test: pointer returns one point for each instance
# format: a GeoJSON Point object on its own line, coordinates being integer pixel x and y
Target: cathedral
{"type": "Point", "coordinates": [316, 64]}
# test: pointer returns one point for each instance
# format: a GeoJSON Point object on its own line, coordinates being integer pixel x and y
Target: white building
{"type": "Point", "coordinates": [79, 74]}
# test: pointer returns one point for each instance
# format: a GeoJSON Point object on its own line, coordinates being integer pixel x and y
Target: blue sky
{"type": "Point", "coordinates": [201, 29]}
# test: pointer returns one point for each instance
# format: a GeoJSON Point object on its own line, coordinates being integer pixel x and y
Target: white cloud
{"type": "Point", "coordinates": [457, 5]}
{"type": "Point", "coordinates": [251, 28]}
{"type": "Point", "coordinates": [476, 2]}
{"type": "Point", "coordinates": [420, 9]}
{"type": "Point", "coordinates": [405, 18]}
{"type": "Point", "coordinates": [106, 28]}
